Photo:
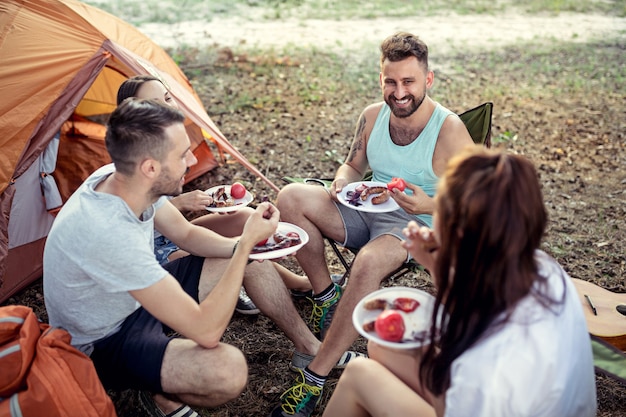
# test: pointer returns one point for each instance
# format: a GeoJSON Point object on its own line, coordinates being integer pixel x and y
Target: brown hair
{"type": "Point", "coordinates": [490, 218]}
{"type": "Point", "coordinates": [402, 45]}
{"type": "Point", "coordinates": [136, 130]}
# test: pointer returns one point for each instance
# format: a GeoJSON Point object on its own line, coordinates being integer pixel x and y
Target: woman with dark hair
{"type": "Point", "coordinates": [514, 340]}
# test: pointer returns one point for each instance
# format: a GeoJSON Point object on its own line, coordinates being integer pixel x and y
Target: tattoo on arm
{"type": "Point", "coordinates": [358, 139]}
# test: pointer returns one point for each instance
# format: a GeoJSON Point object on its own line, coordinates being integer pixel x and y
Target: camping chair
{"type": "Point", "coordinates": [608, 359]}
{"type": "Point", "coordinates": [478, 123]}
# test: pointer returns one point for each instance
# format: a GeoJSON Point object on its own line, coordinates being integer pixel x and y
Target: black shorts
{"type": "Point", "coordinates": [132, 357]}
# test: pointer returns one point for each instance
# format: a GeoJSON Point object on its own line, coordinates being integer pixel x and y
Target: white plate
{"type": "Point", "coordinates": [389, 205]}
{"type": "Point", "coordinates": [417, 323]}
{"type": "Point", "coordinates": [283, 227]}
{"type": "Point", "coordinates": [239, 202]}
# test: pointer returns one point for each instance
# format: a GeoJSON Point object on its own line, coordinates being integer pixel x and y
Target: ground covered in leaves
{"type": "Point", "coordinates": [577, 140]}
{"type": "Point", "coordinates": [289, 117]}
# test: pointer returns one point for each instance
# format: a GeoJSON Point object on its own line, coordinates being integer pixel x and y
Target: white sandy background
{"type": "Point", "coordinates": [442, 33]}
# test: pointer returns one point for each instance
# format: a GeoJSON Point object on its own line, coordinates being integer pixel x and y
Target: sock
{"type": "Point", "coordinates": [312, 378]}
{"type": "Point", "coordinates": [328, 294]}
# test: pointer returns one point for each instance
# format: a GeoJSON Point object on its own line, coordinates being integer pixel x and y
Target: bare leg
{"type": "Point", "coordinates": [210, 377]}
{"type": "Point", "coordinates": [267, 290]}
{"type": "Point", "coordinates": [197, 375]}
{"type": "Point", "coordinates": [292, 280]}
{"type": "Point", "coordinates": [367, 272]}
{"type": "Point", "coordinates": [311, 208]}
{"type": "Point", "coordinates": [202, 377]}
{"type": "Point", "coordinates": [404, 363]}
{"type": "Point", "coordinates": [367, 388]}
{"type": "Point", "coordinates": [229, 225]}
{"type": "Point", "coordinates": [269, 294]}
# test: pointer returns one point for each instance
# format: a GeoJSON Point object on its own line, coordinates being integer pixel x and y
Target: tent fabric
{"type": "Point", "coordinates": [47, 165]}
{"type": "Point", "coordinates": [61, 63]}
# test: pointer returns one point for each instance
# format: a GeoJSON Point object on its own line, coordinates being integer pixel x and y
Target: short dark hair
{"type": "Point", "coordinates": [402, 45]}
{"type": "Point", "coordinates": [136, 130]}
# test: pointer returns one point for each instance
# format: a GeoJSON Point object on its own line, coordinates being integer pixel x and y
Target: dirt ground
{"type": "Point", "coordinates": [578, 144]}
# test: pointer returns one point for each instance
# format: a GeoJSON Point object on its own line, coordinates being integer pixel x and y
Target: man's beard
{"type": "Point", "coordinates": [166, 185]}
{"type": "Point", "coordinates": [404, 111]}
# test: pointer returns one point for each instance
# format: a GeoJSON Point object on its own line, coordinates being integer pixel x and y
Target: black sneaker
{"type": "Point", "coordinates": [339, 279]}
{"type": "Point", "coordinates": [245, 304]}
{"type": "Point", "coordinates": [300, 400]}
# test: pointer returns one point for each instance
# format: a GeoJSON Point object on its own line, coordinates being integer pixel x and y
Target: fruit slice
{"type": "Point", "coordinates": [405, 304]}
{"type": "Point", "coordinates": [398, 183]}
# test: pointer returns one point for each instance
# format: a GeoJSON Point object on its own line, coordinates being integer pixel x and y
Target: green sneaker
{"type": "Point", "coordinates": [340, 279]}
{"type": "Point", "coordinates": [322, 314]}
{"type": "Point", "coordinates": [300, 400]}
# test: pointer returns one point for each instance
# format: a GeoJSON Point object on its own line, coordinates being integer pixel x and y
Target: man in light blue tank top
{"type": "Point", "coordinates": [408, 135]}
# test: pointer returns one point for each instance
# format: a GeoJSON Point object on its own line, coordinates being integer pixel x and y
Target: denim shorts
{"type": "Point", "coordinates": [163, 248]}
{"type": "Point", "coordinates": [132, 357]}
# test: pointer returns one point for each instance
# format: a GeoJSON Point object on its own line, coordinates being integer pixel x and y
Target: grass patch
{"type": "Point", "coordinates": [537, 69]}
{"type": "Point", "coordinates": [304, 76]}
{"type": "Point", "coordinates": [523, 71]}
{"type": "Point", "coordinates": [615, 7]}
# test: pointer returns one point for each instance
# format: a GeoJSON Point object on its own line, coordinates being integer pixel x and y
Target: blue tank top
{"type": "Point", "coordinates": [413, 162]}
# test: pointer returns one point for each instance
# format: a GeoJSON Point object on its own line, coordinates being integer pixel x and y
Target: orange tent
{"type": "Point", "coordinates": [61, 63]}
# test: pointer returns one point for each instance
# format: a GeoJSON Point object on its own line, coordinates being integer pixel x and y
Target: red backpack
{"type": "Point", "coordinates": [41, 374]}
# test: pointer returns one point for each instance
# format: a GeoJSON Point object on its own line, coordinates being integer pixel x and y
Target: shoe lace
{"type": "Point", "coordinates": [243, 296]}
{"type": "Point", "coordinates": [319, 310]}
{"type": "Point", "coordinates": [297, 397]}
{"type": "Point", "coordinates": [317, 314]}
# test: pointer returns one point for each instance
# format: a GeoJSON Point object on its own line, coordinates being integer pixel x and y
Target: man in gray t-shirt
{"type": "Point", "coordinates": [104, 285]}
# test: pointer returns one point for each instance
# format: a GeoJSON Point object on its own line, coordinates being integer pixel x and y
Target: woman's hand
{"type": "Point", "coordinates": [192, 201]}
{"type": "Point", "coordinates": [421, 244]}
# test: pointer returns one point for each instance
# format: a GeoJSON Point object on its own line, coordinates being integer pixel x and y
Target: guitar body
{"type": "Point", "coordinates": [608, 324]}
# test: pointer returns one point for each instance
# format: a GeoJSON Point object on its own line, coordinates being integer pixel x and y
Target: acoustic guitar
{"type": "Point", "coordinates": [601, 311]}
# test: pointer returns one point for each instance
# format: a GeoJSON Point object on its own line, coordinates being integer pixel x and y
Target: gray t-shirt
{"type": "Point", "coordinates": [97, 251]}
